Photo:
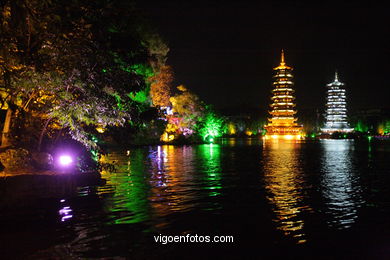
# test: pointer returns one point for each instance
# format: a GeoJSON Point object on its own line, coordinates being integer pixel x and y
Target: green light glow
{"type": "Point", "coordinates": [95, 155]}
{"type": "Point", "coordinates": [118, 101]}
{"type": "Point", "coordinates": [361, 127]}
{"type": "Point", "coordinates": [386, 127]}
{"type": "Point", "coordinates": [140, 96]}
{"type": "Point", "coordinates": [142, 70]}
{"type": "Point", "coordinates": [211, 154]}
{"type": "Point", "coordinates": [131, 190]}
{"type": "Point", "coordinates": [211, 126]}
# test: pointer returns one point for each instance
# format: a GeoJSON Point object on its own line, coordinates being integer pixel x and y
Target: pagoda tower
{"type": "Point", "coordinates": [336, 111]}
{"type": "Point", "coordinates": [283, 123]}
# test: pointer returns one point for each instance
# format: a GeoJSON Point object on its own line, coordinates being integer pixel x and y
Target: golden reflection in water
{"type": "Point", "coordinates": [283, 182]}
{"type": "Point", "coordinates": [230, 141]}
{"type": "Point", "coordinates": [340, 185]}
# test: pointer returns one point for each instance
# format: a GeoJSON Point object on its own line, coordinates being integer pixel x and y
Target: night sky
{"type": "Point", "coordinates": [225, 51]}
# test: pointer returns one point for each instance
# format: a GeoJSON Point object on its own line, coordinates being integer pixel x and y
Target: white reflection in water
{"type": "Point", "coordinates": [340, 184]}
{"type": "Point", "coordinates": [284, 183]}
{"type": "Point", "coordinates": [65, 212]}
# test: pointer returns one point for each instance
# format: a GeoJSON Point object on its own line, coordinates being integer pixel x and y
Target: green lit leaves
{"type": "Point", "coordinates": [210, 126]}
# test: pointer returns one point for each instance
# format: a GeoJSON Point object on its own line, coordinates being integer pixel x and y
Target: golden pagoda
{"type": "Point", "coordinates": [283, 123]}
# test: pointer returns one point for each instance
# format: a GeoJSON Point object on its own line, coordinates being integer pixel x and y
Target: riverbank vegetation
{"type": "Point", "coordinates": [88, 74]}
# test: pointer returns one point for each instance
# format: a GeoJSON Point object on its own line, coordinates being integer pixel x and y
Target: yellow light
{"type": "Point", "coordinates": [165, 137]}
{"type": "Point", "coordinates": [284, 137]}
{"type": "Point", "coordinates": [232, 129]}
{"type": "Point", "coordinates": [248, 132]}
{"type": "Point", "coordinates": [100, 129]}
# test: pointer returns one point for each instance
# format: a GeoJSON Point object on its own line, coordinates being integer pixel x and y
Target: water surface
{"type": "Point", "coordinates": [320, 199]}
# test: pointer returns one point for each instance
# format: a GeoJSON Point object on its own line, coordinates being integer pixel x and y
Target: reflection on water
{"type": "Point", "coordinates": [232, 141]}
{"type": "Point", "coordinates": [340, 184]}
{"type": "Point", "coordinates": [160, 181]}
{"type": "Point", "coordinates": [284, 181]}
{"type": "Point", "coordinates": [126, 189]}
{"type": "Point", "coordinates": [212, 168]}
{"type": "Point", "coordinates": [65, 212]}
{"type": "Point", "coordinates": [170, 171]}
{"type": "Point", "coordinates": [306, 190]}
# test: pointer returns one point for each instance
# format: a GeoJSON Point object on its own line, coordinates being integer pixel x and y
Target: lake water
{"type": "Point", "coordinates": [312, 199]}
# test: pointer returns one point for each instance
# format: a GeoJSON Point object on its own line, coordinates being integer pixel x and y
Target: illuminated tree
{"type": "Point", "coordinates": [160, 88]}
{"type": "Point", "coordinates": [361, 127]}
{"type": "Point", "coordinates": [77, 65]}
{"type": "Point", "coordinates": [18, 43]}
{"type": "Point", "coordinates": [384, 127]}
{"type": "Point", "coordinates": [211, 126]}
{"type": "Point", "coordinates": [188, 107]}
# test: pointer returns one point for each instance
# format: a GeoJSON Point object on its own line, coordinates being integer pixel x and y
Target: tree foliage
{"type": "Point", "coordinates": [210, 125]}
{"type": "Point", "coordinates": [79, 64]}
{"type": "Point", "coordinates": [160, 89]}
{"type": "Point", "coordinates": [188, 107]}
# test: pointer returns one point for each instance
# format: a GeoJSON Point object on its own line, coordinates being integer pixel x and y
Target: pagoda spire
{"type": "Point", "coordinates": [336, 78]}
{"type": "Point", "coordinates": [282, 63]}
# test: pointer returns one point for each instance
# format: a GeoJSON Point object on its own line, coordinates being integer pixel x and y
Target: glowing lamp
{"type": "Point", "coordinates": [65, 160]}
{"type": "Point", "coordinates": [209, 138]}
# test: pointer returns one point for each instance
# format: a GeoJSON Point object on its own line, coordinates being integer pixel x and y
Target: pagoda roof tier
{"type": "Point", "coordinates": [283, 75]}
{"type": "Point", "coordinates": [283, 130]}
{"type": "Point", "coordinates": [282, 103]}
{"type": "Point", "coordinates": [283, 111]}
{"type": "Point", "coordinates": [278, 113]}
{"type": "Point", "coordinates": [283, 82]}
{"type": "Point", "coordinates": [283, 120]}
{"type": "Point", "coordinates": [283, 89]}
{"type": "Point", "coordinates": [283, 97]}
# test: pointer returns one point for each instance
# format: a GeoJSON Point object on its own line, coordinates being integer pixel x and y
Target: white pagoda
{"type": "Point", "coordinates": [336, 109]}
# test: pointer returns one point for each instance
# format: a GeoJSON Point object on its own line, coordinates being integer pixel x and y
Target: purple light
{"type": "Point", "coordinates": [65, 160]}
{"type": "Point", "coordinates": [65, 213]}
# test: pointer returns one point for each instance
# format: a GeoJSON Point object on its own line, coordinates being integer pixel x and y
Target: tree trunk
{"type": "Point", "coordinates": [43, 133]}
{"type": "Point", "coordinates": [5, 141]}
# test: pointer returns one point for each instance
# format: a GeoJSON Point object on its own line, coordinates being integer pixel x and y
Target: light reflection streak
{"type": "Point", "coordinates": [65, 212]}
{"type": "Point", "coordinates": [340, 185]}
{"type": "Point", "coordinates": [171, 171]}
{"type": "Point", "coordinates": [211, 153]}
{"type": "Point", "coordinates": [284, 183]}
{"type": "Point", "coordinates": [127, 188]}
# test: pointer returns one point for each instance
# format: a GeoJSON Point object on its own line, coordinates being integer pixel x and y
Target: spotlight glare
{"type": "Point", "coordinates": [65, 160]}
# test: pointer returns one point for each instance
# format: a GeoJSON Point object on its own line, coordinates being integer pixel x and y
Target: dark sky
{"type": "Point", "coordinates": [225, 51]}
